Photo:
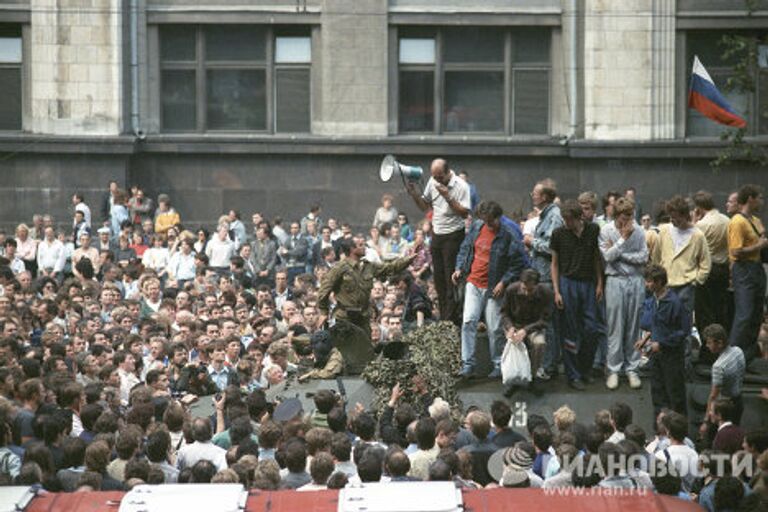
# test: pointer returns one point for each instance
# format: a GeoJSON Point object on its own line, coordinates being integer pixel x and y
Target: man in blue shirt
{"type": "Point", "coordinates": [667, 321]}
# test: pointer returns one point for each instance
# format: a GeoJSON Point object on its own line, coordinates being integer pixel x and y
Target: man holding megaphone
{"type": "Point", "coordinates": [448, 196]}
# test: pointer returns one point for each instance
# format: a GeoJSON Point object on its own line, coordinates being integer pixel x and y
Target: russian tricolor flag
{"type": "Point", "coordinates": [705, 98]}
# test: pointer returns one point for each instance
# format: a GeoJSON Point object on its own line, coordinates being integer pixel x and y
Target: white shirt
{"type": "Point", "coordinates": [182, 266]}
{"type": "Point", "coordinates": [190, 454]}
{"type": "Point", "coordinates": [17, 265]}
{"type": "Point", "coordinates": [127, 381]}
{"type": "Point", "coordinates": [77, 425]}
{"type": "Point", "coordinates": [219, 252]}
{"type": "Point", "coordinates": [685, 460]}
{"type": "Point", "coordinates": [445, 220]}
{"type": "Point", "coordinates": [680, 237]}
{"type": "Point", "coordinates": [51, 255]}
{"type": "Point", "coordinates": [156, 258]}
{"type": "Point", "coordinates": [82, 207]}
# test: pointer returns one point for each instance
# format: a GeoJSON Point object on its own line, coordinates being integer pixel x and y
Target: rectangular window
{"type": "Point", "coordinates": [10, 77]}
{"type": "Point", "coordinates": [721, 63]}
{"type": "Point", "coordinates": [244, 78]}
{"type": "Point", "coordinates": [473, 80]}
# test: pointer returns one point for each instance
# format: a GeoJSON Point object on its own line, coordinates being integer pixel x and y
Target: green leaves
{"type": "Point", "coordinates": [434, 354]}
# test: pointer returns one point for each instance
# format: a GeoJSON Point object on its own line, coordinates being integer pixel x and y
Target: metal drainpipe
{"type": "Point", "coordinates": [572, 69]}
{"type": "Point", "coordinates": [134, 27]}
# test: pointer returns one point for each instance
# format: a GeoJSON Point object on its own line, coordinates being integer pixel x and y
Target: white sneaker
{"type": "Point", "coordinates": [541, 374]}
{"type": "Point", "coordinates": [612, 382]}
{"type": "Point", "coordinates": [634, 381]}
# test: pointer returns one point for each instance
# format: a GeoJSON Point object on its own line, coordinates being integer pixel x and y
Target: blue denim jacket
{"type": "Point", "coordinates": [668, 320]}
{"type": "Point", "coordinates": [506, 262]}
{"type": "Point", "coordinates": [541, 256]}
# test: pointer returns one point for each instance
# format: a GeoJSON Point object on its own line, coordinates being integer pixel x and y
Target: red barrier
{"type": "Point", "coordinates": [489, 500]}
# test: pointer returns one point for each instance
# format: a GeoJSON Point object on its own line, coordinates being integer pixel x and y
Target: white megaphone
{"type": "Point", "coordinates": [390, 167]}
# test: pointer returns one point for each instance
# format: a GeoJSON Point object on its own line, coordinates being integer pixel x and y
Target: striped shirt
{"type": "Point", "coordinates": [728, 371]}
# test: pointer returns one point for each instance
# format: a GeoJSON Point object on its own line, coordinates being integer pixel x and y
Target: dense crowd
{"type": "Point", "coordinates": [111, 328]}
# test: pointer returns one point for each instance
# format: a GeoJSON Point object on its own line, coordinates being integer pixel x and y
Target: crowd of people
{"type": "Point", "coordinates": [112, 327]}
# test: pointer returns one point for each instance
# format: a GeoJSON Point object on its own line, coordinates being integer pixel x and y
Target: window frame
{"type": "Point", "coordinates": [22, 68]}
{"type": "Point", "coordinates": [440, 67]}
{"type": "Point", "coordinates": [201, 65]}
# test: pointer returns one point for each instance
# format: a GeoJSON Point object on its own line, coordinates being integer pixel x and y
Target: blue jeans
{"type": "Point", "coordinates": [748, 299]}
{"type": "Point", "coordinates": [552, 350]}
{"type": "Point", "coordinates": [580, 329]}
{"type": "Point", "coordinates": [475, 303]}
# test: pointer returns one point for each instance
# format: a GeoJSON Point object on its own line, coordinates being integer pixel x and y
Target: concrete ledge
{"type": "Point", "coordinates": [399, 145]}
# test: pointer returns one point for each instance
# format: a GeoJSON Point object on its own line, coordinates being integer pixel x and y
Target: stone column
{"type": "Point", "coordinates": [663, 70]}
{"type": "Point", "coordinates": [354, 65]}
{"type": "Point", "coordinates": [617, 69]}
{"type": "Point", "coordinates": [76, 72]}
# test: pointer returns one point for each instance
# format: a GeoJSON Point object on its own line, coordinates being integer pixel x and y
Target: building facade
{"type": "Point", "coordinates": [270, 105]}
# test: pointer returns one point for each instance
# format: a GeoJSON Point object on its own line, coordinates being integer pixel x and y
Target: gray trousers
{"type": "Point", "coordinates": [624, 298]}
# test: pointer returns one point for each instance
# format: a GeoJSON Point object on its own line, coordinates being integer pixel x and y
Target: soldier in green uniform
{"type": "Point", "coordinates": [351, 281]}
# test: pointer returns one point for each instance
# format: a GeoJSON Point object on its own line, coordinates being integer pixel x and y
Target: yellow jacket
{"type": "Point", "coordinates": [166, 221]}
{"type": "Point", "coordinates": [690, 265]}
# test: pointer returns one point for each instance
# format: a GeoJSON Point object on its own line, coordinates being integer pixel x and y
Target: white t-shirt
{"type": "Point", "coordinates": [680, 237]}
{"type": "Point", "coordinates": [685, 460]}
{"type": "Point", "coordinates": [445, 220]}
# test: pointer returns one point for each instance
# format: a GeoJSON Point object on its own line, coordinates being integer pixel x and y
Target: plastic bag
{"type": "Point", "coordinates": [515, 364]}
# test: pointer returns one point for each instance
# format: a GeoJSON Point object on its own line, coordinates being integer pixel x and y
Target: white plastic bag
{"type": "Point", "coordinates": [515, 364]}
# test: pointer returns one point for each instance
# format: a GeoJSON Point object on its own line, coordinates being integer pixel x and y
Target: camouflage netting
{"type": "Point", "coordinates": [434, 353]}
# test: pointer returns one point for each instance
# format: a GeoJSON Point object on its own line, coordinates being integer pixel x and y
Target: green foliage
{"type": "Point", "coordinates": [742, 51]}
{"type": "Point", "coordinates": [434, 354]}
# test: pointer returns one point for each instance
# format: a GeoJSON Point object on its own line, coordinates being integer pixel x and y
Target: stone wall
{"type": "Point", "coordinates": [353, 63]}
{"type": "Point", "coordinates": [76, 67]}
{"type": "Point", "coordinates": [617, 69]}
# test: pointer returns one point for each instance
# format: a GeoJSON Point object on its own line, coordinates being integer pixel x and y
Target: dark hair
{"type": "Point", "coordinates": [158, 444]}
{"type": "Point", "coordinates": [338, 480]}
{"type": "Point", "coordinates": [321, 468]}
{"type": "Point", "coordinates": [703, 199]}
{"type": "Point", "coordinates": [201, 429]}
{"type": "Point", "coordinates": [202, 472]}
{"type": "Point", "coordinates": [715, 332]}
{"type": "Point", "coordinates": [73, 449]}
{"type": "Point", "coordinates": [489, 209]}
{"type": "Point", "coordinates": [749, 191]}
{"type": "Point", "coordinates": [609, 454]}
{"type": "Point", "coordinates": [678, 204]}
{"type": "Point", "coordinates": [397, 462]}
{"type": "Point", "coordinates": [324, 401]}
{"type": "Point", "coordinates": [270, 434]}
{"type": "Point", "coordinates": [295, 456]}
{"type": "Point", "coordinates": [337, 419]}
{"type": "Point", "coordinates": [729, 491]}
{"type": "Point", "coordinates": [425, 433]}
{"type": "Point", "coordinates": [758, 439]}
{"type": "Point", "coordinates": [676, 425]}
{"type": "Point", "coordinates": [621, 414]}
{"type": "Point", "coordinates": [346, 245]}
{"type": "Point", "coordinates": [501, 413]}
{"type": "Point", "coordinates": [369, 468]}
{"type": "Point", "coordinates": [364, 426]}
{"type": "Point", "coordinates": [656, 274]}
{"type": "Point", "coordinates": [341, 446]}
{"type": "Point", "coordinates": [239, 430]}
{"type": "Point", "coordinates": [571, 208]}
{"type": "Point", "coordinates": [530, 275]}
{"type": "Point", "coordinates": [635, 433]}
{"type": "Point", "coordinates": [136, 468]}
{"type": "Point", "coordinates": [534, 420]}
{"type": "Point", "coordinates": [439, 471]}
{"type": "Point", "coordinates": [89, 414]}
{"type": "Point", "coordinates": [580, 477]}
{"type": "Point", "coordinates": [542, 437]}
